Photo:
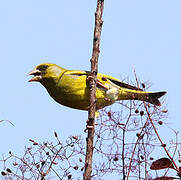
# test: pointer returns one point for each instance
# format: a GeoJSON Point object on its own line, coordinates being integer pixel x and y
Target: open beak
{"type": "Point", "coordinates": [36, 75]}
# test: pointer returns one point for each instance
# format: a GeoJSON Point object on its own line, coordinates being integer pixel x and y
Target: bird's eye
{"type": "Point", "coordinates": [43, 67]}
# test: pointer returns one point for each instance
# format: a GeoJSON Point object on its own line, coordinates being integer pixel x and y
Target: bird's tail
{"type": "Point", "coordinates": [151, 97]}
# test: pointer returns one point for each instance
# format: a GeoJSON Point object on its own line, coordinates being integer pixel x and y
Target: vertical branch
{"type": "Point", "coordinates": [92, 82]}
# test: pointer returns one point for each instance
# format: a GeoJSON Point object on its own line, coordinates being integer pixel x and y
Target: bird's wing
{"type": "Point", "coordinates": [124, 85]}
{"type": "Point", "coordinates": [104, 79]}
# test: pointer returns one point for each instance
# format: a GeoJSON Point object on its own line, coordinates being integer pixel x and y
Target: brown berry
{"type": "Point", "coordinates": [160, 122]}
{"type": "Point", "coordinates": [141, 113]}
{"type": "Point", "coordinates": [142, 157]}
{"type": "Point", "coordinates": [143, 85]}
{"type": "Point", "coordinates": [76, 167]}
{"type": "Point", "coordinates": [8, 170]}
{"type": "Point", "coordinates": [109, 114]}
{"type": "Point", "coordinates": [69, 176]}
{"type": "Point", "coordinates": [116, 158]}
{"type": "Point", "coordinates": [82, 169]}
{"type": "Point", "coordinates": [3, 173]}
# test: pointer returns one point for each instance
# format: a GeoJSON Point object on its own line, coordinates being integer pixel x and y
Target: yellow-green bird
{"type": "Point", "coordinates": [71, 87]}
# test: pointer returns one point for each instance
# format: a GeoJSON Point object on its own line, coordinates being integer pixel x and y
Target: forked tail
{"type": "Point", "coordinates": [153, 98]}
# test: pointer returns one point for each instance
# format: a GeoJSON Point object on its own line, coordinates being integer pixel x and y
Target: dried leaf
{"type": "Point", "coordinates": [162, 164]}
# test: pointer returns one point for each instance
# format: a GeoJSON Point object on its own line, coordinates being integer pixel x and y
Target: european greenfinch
{"type": "Point", "coordinates": [71, 87]}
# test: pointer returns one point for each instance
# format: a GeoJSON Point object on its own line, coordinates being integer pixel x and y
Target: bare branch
{"type": "Point", "coordinates": [92, 83]}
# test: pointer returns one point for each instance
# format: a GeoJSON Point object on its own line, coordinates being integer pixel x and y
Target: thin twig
{"type": "Point", "coordinates": [175, 149]}
{"type": "Point", "coordinates": [159, 138]}
{"type": "Point", "coordinates": [123, 149]}
{"type": "Point", "coordinates": [7, 121]}
{"type": "Point", "coordinates": [134, 149]}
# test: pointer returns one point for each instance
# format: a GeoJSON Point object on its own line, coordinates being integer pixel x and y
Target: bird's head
{"type": "Point", "coordinates": [46, 72]}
